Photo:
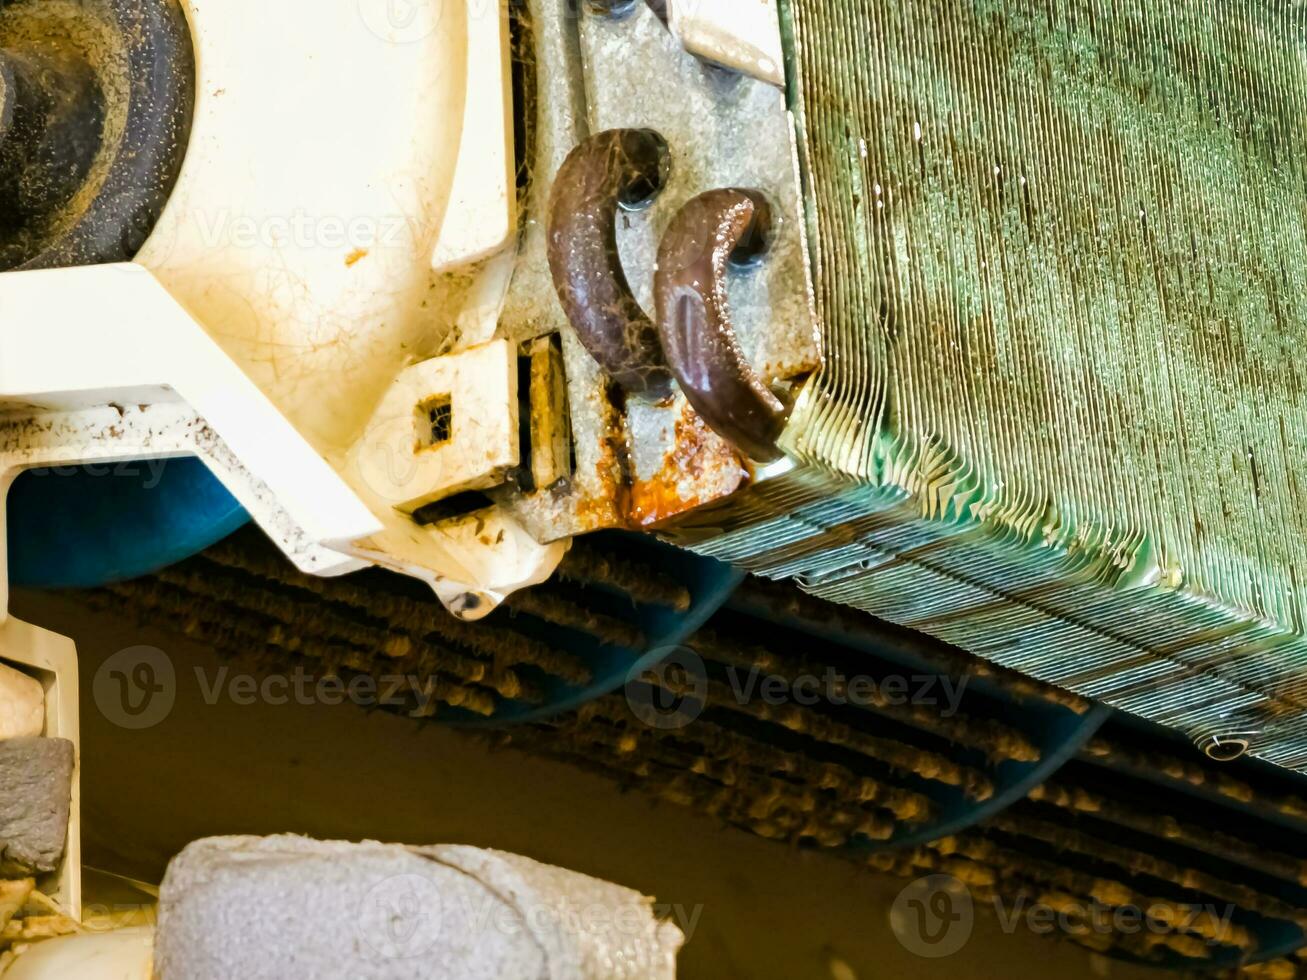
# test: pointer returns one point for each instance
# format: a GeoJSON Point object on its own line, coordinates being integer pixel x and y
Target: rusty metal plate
{"type": "Point", "coordinates": [639, 464]}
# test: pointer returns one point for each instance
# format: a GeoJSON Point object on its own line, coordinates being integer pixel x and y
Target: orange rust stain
{"type": "Point", "coordinates": [608, 507]}
{"type": "Point", "coordinates": [698, 454]}
{"type": "Point", "coordinates": [354, 256]}
{"type": "Point", "coordinates": [605, 509]}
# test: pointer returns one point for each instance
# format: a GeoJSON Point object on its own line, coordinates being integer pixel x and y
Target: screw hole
{"type": "Point", "coordinates": [435, 422]}
{"type": "Point", "coordinates": [1223, 748]}
{"type": "Point", "coordinates": [655, 169]}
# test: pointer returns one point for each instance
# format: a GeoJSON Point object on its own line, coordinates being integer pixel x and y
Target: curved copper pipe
{"type": "Point", "coordinates": [623, 167]}
{"type": "Point", "coordinates": [694, 319]}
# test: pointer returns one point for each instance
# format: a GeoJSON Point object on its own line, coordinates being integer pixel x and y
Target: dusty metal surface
{"type": "Point", "coordinates": [589, 497]}
{"type": "Point", "coordinates": [700, 467]}
{"type": "Point", "coordinates": [636, 463]}
{"type": "Point", "coordinates": [724, 130]}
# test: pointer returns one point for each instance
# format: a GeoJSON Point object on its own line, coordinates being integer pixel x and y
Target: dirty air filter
{"type": "Point", "coordinates": [1030, 796]}
{"type": "Point", "coordinates": [1060, 260]}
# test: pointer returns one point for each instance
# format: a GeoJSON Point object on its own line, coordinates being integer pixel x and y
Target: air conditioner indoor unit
{"type": "Point", "coordinates": [984, 324]}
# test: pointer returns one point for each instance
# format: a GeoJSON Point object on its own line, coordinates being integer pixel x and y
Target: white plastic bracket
{"type": "Point", "coordinates": [101, 364]}
{"type": "Point", "coordinates": [482, 214]}
{"type": "Point", "coordinates": [447, 425]}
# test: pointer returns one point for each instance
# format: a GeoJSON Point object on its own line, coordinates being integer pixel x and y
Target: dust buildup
{"type": "Point", "coordinates": [83, 32]}
{"type": "Point", "coordinates": [1060, 256]}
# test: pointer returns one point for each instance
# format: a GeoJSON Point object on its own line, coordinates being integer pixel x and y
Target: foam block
{"type": "Point", "coordinates": [36, 777]}
{"type": "Point", "coordinates": [292, 907]}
